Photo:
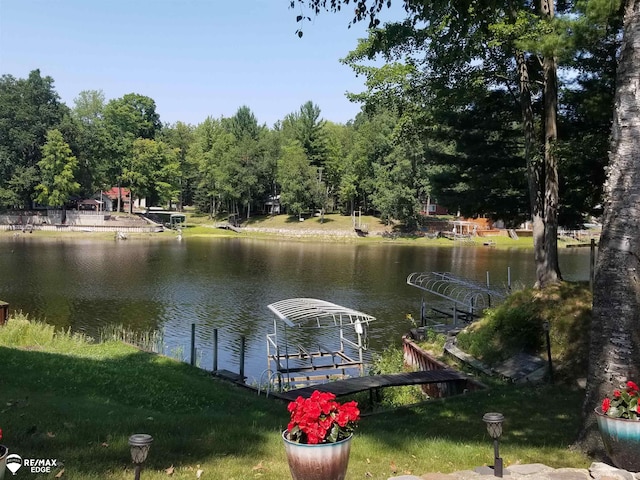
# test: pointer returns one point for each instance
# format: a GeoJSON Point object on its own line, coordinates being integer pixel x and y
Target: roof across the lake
{"type": "Point", "coordinates": [298, 312]}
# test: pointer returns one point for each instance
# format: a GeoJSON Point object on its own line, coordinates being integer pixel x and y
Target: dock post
{"type": "Point", "coordinates": [509, 279]}
{"type": "Point", "coordinates": [242, 349]}
{"type": "Point", "coordinates": [215, 349]}
{"type": "Point", "coordinates": [193, 344]}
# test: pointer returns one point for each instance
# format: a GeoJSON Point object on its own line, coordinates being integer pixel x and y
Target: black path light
{"type": "Point", "coordinates": [140, 444]}
{"type": "Point", "coordinates": [494, 427]}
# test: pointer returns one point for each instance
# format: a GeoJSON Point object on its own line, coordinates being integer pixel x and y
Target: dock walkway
{"type": "Point", "coordinates": [228, 226]}
{"type": "Point", "coordinates": [371, 382]}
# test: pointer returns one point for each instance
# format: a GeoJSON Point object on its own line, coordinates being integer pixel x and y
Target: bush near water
{"type": "Point", "coordinates": [515, 326]}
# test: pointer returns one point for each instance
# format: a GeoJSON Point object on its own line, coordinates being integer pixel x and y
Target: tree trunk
{"type": "Point", "coordinates": [548, 269]}
{"type": "Point", "coordinates": [550, 273]}
{"type": "Point", "coordinates": [535, 168]}
{"type": "Point", "coordinates": [614, 354]}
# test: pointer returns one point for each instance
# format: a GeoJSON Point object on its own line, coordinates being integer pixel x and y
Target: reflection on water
{"type": "Point", "coordinates": [226, 284]}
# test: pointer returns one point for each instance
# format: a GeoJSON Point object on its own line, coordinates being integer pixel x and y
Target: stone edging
{"type": "Point", "coordinates": [533, 471]}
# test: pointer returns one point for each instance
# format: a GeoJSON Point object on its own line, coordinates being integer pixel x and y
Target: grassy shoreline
{"type": "Point", "coordinates": [78, 402]}
{"type": "Point", "coordinates": [335, 228]}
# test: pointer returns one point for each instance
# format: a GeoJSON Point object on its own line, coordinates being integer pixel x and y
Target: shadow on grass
{"type": "Point", "coordinates": [82, 410]}
{"type": "Point", "coordinates": [536, 417]}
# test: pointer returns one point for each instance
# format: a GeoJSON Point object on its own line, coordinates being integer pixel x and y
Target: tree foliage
{"type": "Point", "coordinates": [92, 141]}
{"type": "Point", "coordinates": [57, 172]}
{"type": "Point", "coordinates": [298, 178]}
{"type": "Point", "coordinates": [154, 172]}
{"type": "Point", "coordinates": [29, 108]}
{"type": "Point", "coordinates": [443, 53]}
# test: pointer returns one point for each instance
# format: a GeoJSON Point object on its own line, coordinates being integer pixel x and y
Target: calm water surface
{"type": "Point", "coordinates": [227, 284]}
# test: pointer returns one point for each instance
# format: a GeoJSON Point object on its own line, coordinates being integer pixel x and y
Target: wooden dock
{"type": "Point", "coordinates": [373, 382]}
{"type": "Point", "coordinates": [228, 226]}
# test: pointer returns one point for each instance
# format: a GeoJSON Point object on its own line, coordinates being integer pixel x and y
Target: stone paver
{"type": "Point", "coordinates": [570, 474]}
{"type": "Point", "coordinates": [533, 471]}
{"type": "Point", "coordinates": [529, 468]}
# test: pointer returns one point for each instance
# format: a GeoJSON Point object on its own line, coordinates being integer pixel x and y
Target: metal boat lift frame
{"type": "Point", "coordinates": [468, 297]}
{"type": "Point", "coordinates": [311, 365]}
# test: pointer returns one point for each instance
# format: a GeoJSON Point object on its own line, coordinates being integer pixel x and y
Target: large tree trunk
{"type": "Point", "coordinates": [548, 269]}
{"type": "Point", "coordinates": [542, 169]}
{"type": "Point", "coordinates": [614, 354]}
{"type": "Point", "coordinates": [535, 168]}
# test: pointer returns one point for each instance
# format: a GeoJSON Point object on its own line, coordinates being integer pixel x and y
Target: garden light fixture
{"type": "Point", "coordinates": [494, 427]}
{"type": "Point", "coordinates": [139, 443]}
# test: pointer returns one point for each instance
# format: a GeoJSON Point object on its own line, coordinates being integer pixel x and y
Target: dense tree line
{"type": "Point", "coordinates": [422, 138]}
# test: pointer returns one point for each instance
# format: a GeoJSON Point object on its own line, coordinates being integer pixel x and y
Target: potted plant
{"type": "Point", "coordinates": [4, 451]}
{"type": "Point", "coordinates": [318, 437]}
{"type": "Point", "coordinates": [619, 424]}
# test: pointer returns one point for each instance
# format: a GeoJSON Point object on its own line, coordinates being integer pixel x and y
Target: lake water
{"type": "Point", "coordinates": [227, 283]}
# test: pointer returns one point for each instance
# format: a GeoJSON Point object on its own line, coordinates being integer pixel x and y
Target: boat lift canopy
{"type": "Point", "coordinates": [293, 362]}
{"type": "Point", "coordinates": [467, 295]}
{"type": "Point", "coordinates": [303, 312]}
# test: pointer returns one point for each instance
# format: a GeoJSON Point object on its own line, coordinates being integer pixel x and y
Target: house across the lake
{"type": "Point", "coordinates": [111, 197]}
{"type": "Point", "coordinates": [433, 209]}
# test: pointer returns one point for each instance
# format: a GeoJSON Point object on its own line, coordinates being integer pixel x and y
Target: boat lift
{"type": "Point", "coordinates": [339, 340]}
{"type": "Point", "coordinates": [469, 298]}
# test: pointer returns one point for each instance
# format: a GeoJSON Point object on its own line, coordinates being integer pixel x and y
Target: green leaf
{"type": "Point", "coordinates": [615, 412]}
{"type": "Point", "coordinates": [333, 434]}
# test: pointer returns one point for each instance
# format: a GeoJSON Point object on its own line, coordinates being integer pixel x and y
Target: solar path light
{"type": "Point", "coordinates": [140, 444]}
{"type": "Point", "coordinates": [494, 427]}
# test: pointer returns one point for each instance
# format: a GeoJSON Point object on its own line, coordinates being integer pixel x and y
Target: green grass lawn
{"type": "Point", "coordinates": [379, 232]}
{"type": "Point", "coordinates": [64, 398]}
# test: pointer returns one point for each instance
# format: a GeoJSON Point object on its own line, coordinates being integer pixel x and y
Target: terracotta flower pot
{"type": "Point", "coordinates": [324, 461]}
{"type": "Point", "coordinates": [621, 439]}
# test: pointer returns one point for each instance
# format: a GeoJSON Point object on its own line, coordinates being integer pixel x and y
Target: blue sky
{"type": "Point", "coordinates": [195, 58]}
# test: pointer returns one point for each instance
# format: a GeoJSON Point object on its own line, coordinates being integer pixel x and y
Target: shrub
{"type": "Point", "coordinates": [517, 326]}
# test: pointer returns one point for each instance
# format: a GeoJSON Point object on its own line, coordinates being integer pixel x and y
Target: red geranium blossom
{"type": "Point", "coordinates": [320, 419]}
{"type": "Point", "coordinates": [623, 402]}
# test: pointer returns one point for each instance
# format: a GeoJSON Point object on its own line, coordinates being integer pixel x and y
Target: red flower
{"type": "Point", "coordinates": [320, 419]}
{"type": "Point", "coordinates": [0, 434]}
{"type": "Point", "coordinates": [623, 403]}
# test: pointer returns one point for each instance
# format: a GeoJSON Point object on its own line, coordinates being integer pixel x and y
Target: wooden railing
{"type": "Point", "coordinates": [417, 358]}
